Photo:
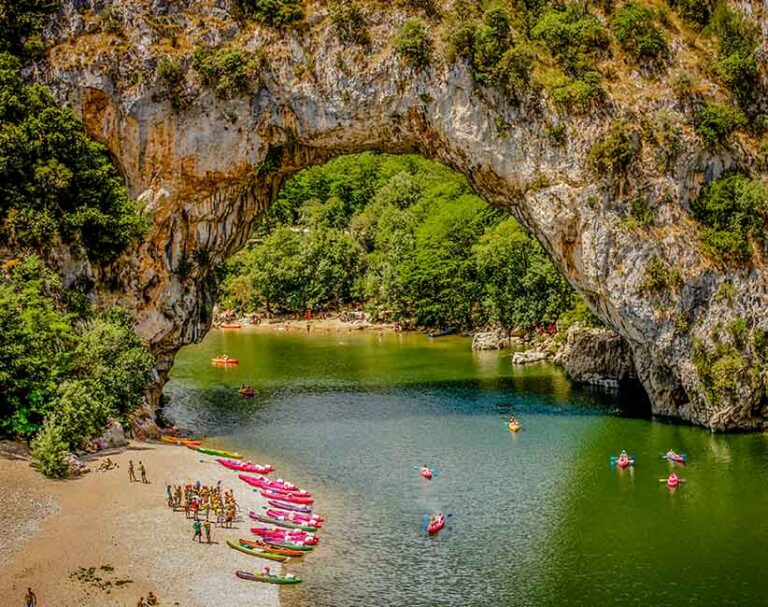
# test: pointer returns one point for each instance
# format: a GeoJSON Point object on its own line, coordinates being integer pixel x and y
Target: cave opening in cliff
{"type": "Point", "coordinates": [401, 242]}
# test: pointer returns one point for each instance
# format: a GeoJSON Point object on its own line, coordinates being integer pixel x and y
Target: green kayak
{"type": "Point", "coordinates": [269, 579]}
{"type": "Point", "coordinates": [220, 453]}
{"type": "Point", "coordinates": [289, 545]}
{"type": "Point", "coordinates": [260, 553]}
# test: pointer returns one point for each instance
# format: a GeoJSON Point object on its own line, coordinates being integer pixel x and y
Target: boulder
{"type": "Point", "coordinates": [529, 356]}
{"type": "Point", "coordinates": [113, 437]}
{"type": "Point", "coordinates": [598, 356]}
{"type": "Point", "coordinates": [77, 466]}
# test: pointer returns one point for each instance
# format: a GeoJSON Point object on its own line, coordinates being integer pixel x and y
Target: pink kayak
{"type": "Point", "coordinates": [286, 497]}
{"type": "Point", "coordinates": [277, 486]}
{"type": "Point", "coordinates": [291, 507]}
{"type": "Point", "coordinates": [676, 458]}
{"type": "Point", "coordinates": [245, 466]}
{"type": "Point", "coordinates": [623, 463]}
{"type": "Point", "coordinates": [295, 517]}
{"type": "Point", "coordinates": [673, 482]}
{"type": "Point", "coordinates": [435, 525]}
{"type": "Point", "coordinates": [282, 534]}
{"type": "Point", "coordinates": [425, 472]}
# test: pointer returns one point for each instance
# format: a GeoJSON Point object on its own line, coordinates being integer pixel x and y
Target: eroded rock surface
{"type": "Point", "coordinates": [207, 167]}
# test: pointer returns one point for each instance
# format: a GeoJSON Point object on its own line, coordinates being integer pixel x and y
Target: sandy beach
{"type": "Point", "coordinates": [53, 532]}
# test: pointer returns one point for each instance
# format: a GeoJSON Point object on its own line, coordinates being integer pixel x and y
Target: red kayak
{"type": "Point", "coordinates": [279, 535]}
{"type": "Point", "coordinates": [624, 463]}
{"type": "Point", "coordinates": [435, 525]}
{"type": "Point", "coordinates": [286, 497]}
{"type": "Point", "coordinates": [673, 482]}
{"type": "Point", "coordinates": [295, 517]}
{"type": "Point", "coordinates": [245, 466]}
{"type": "Point", "coordinates": [676, 458]}
{"type": "Point", "coordinates": [282, 487]}
{"type": "Point", "coordinates": [425, 472]}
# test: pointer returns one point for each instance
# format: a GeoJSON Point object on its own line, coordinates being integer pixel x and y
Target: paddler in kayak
{"type": "Point", "coordinates": [513, 421]}
{"type": "Point", "coordinates": [623, 458]}
{"type": "Point", "coordinates": [672, 455]}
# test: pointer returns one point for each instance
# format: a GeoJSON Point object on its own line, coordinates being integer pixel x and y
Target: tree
{"type": "Point", "coordinates": [49, 452]}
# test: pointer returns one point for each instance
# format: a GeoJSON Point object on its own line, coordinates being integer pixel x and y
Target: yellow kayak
{"type": "Point", "coordinates": [218, 452]}
{"type": "Point", "coordinates": [514, 427]}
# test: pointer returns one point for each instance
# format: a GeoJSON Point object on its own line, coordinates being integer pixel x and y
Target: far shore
{"type": "Point", "coordinates": [52, 532]}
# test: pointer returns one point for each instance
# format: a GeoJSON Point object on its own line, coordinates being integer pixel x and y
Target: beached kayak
{"type": "Point", "coordinates": [220, 453]}
{"type": "Point", "coordinates": [426, 472]}
{"type": "Point", "coordinates": [304, 519]}
{"type": "Point", "coordinates": [291, 507]}
{"type": "Point", "coordinates": [280, 522]}
{"type": "Point", "coordinates": [271, 548]}
{"type": "Point", "coordinates": [176, 440]}
{"type": "Point", "coordinates": [289, 545]}
{"type": "Point", "coordinates": [435, 525]}
{"type": "Point", "coordinates": [514, 427]}
{"type": "Point", "coordinates": [294, 535]}
{"type": "Point", "coordinates": [246, 466]}
{"type": "Point", "coordinates": [271, 494]}
{"type": "Point", "coordinates": [268, 579]}
{"type": "Point", "coordinates": [260, 553]}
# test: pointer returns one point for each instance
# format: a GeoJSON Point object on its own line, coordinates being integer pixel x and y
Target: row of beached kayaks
{"type": "Point", "coordinates": [292, 534]}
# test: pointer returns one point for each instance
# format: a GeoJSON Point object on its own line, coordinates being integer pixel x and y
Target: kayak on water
{"type": "Point", "coordinates": [220, 453]}
{"type": "Point", "coordinates": [269, 579]}
{"type": "Point", "coordinates": [435, 524]}
{"type": "Point", "coordinates": [270, 548]}
{"type": "Point", "coordinates": [294, 517]}
{"type": "Point", "coordinates": [230, 326]}
{"type": "Point", "coordinates": [176, 440]}
{"type": "Point", "coordinates": [223, 359]}
{"type": "Point", "coordinates": [680, 458]}
{"type": "Point", "coordinates": [623, 460]}
{"type": "Point", "coordinates": [426, 472]}
{"type": "Point", "coordinates": [514, 427]}
{"type": "Point", "coordinates": [260, 553]}
{"type": "Point", "coordinates": [246, 466]}
{"type": "Point", "coordinates": [286, 497]}
{"type": "Point", "coordinates": [291, 507]}
{"type": "Point", "coordinates": [280, 522]}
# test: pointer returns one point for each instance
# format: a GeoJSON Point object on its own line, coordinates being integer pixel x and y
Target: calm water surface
{"type": "Point", "coordinates": [541, 517]}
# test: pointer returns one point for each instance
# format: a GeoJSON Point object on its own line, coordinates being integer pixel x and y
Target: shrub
{"type": "Point", "coordinates": [274, 13]}
{"type": "Point", "coordinates": [577, 95]}
{"type": "Point", "coordinates": [640, 212]}
{"type": "Point", "coordinates": [21, 22]}
{"type": "Point", "coordinates": [658, 277]}
{"type": "Point", "coordinates": [683, 86]}
{"type": "Point", "coordinates": [716, 121]}
{"type": "Point", "coordinates": [736, 62]}
{"type": "Point", "coordinates": [513, 73]}
{"type": "Point", "coordinates": [350, 23]}
{"type": "Point", "coordinates": [733, 209]}
{"type": "Point", "coordinates": [695, 12]}
{"type": "Point", "coordinates": [637, 33]}
{"type": "Point", "coordinates": [49, 452]}
{"type": "Point", "coordinates": [229, 71]}
{"type": "Point", "coordinates": [614, 154]}
{"type": "Point", "coordinates": [574, 36]}
{"type": "Point", "coordinates": [79, 412]}
{"type": "Point", "coordinates": [414, 45]}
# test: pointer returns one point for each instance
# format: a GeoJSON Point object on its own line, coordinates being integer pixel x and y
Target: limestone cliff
{"type": "Point", "coordinates": [206, 163]}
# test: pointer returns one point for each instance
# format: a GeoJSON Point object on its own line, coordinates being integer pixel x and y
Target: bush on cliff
{"type": "Point", "coordinates": [274, 13]}
{"type": "Point", "coordinates": [638, 35]}
{"type": "Point", "coordinates": [414, 45]}
{"type": "Point", "coordinates": [21, 22]}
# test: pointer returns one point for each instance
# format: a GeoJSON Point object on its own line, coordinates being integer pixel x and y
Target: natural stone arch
{"type": "Point", "coordinates": [207, 171]}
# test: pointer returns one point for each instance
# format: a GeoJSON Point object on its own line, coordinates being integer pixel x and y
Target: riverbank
{"type": "Point", "coordinates": [53, 532]}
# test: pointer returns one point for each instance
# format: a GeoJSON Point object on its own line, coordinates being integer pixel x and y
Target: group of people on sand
{"type": "Point", "coordinates": [196, 499]}
{"type": "Point", "coordinates": [132, 472]}
{"type": "Point", "coordinates": [150, 601]}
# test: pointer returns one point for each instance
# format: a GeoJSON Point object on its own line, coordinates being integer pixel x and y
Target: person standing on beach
{"type": "Point", "coordinates": [131, 472]}
{"type": "Point", "coordinates": [143, 472]}
{"type": "Point", "coordinates": [30, 599]}
{"type": "Point", "coordinates": [207, 527]}
{"type": "Point", "coordinates": [197, 526]}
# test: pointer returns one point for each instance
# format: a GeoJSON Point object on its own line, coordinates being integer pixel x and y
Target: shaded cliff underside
{"type": "Point", "coordinates": [206, 159]}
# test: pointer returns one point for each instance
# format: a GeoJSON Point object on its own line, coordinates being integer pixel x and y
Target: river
{"type": "Point", "coordinates": [540, 517]}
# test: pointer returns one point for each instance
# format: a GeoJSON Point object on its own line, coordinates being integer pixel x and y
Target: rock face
{"type": "Point", "coordinates": [529, 356]}
{"type": "Point", "coordinates": [490, 340]}
{"type": "Point", "coordinates": [206, 165]}
{"type": "Point", "coordinates": [599, 357]}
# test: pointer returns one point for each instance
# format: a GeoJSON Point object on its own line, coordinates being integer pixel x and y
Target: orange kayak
{"type": "Point", "coordinates": [274, 549]}
{"type": "Point", "coordinates": [230, 326]}
{"type": "Point", "coordinates": [175, 440]}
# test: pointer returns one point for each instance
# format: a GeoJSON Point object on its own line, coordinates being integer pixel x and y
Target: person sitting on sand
{"type": "Point", "coordinates": [151, 599]}
{"type": "Point", "coordinates": [30, 599]}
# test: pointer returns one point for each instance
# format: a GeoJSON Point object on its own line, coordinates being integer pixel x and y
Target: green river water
{"type": "Point", "coordinates": [541, 518]}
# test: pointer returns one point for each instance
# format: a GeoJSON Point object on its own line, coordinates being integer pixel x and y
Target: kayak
{"type": "Point", "coordinates": [425, 472]}
{"type": "Point", "coordinates": [623, 463]}
{"type": "Point", "coordinates": [290, 534]}
{"type": "Point", "coordinates": [304, 519]}
{"type": "Point", "coordinates": [514, 427]}
{"type": "Point", "coordinates": [260, 553]}
{"type": "Point", "coordinates": [220, 453]}
{"type": "Point", "coordinates": [270, 548]}
{"type": "Point", "coordinates": [280, 522]}
{"type": "Point", "coordinates": [230, 326]}
{"type": "Point", "coordinates": [289, 545]}
{"type": "Point", "coordinates": [225, 360]}
{"type": "Point", "coordinates": [247, 391]}
{"type": "Point", "coordinates": [673, 482]}
{"type": "Point", "coordinates": [281, 489]}
{"type": "Point", "coordinates": [268, 579]}
{"type": "Point", "coordinates": [435, 525]}
{"type": "Point", "coordinates": [291, 507]}
{"type": "Point", "coordinates": [680, 459]}
{"type": "Point", "coordinates": [246, 466]}
{"type": "Point", "coordinates": [286, 497]}
{"type": "Point", "coordinates": [176, 440]}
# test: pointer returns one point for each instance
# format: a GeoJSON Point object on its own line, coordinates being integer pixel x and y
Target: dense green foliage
{"type": "Point", "coordinates": [348, 18]}
{"type": "Point", "coordinates": [414, 45]}
{"type": "Point", "coordinates": [49, 451]}
{"type": "Point", "coordinates": [55, 182]}
{"type": "Point", "coordinates": [228, 70]}
{"type": "Point", "coordinates": [736, 62]}
{"type": "Point", "coordinates": [71, 370]}
{"type": "Point", "coordinates": [716, 121]}
{"type": "Point", "coordinates": [734, 210]}
{"type": "Point", "coordinates": [402, 236]}
{"type": "Point", "coordinates": [275, 13]}
{"type": "Point", "coordinates": [636, 31]}
{"type": "Point", "coordinates": [614, 154]}
{"type": "Point", "coordinates": [21, 22]}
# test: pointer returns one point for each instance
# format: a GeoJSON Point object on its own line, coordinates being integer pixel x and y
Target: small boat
{"type": "Point", "coordinates": [294, 517]}
{"type": "Point", "coordinates": [293, 534]}
{"type": "Point", "coordinates": [289, 545]}
{"type": "Point", "coordinates": [223, 359]}
{"type": "Point", "coordinates": [260, 553]}
{"type": "Point", "coordinates": [280, 522]}
{"type": "Point", "coordinates": [270, 548]}
{"type": "Point", "coordinates": [286, 497]}
{"type": "Point", "coordinates": [230, 326]}
{"type": "Point", "coordinates": [268, 579]}
{"type": "Point", "coordinates": [426, 472]}
{"type": "Point", "coordinates": [219, 452]}
{"type": "Point", "coordinates": [442, 333]}
{"type": "Point", "coordinates": [246, 391]}
{"type": "Point", "coordinates": [246, 466]}
{"type": "Point", "coordinates": [177, 440]}
{"type": "Point", "coordinates": [673, 482]}
{"type": "Point", "coordinates": [291, 507]}
{"type": "Point", "coordinates": [435, 524]}
{"type": "Point", "coordinates": [514, 427]}
{"type": "Point", "coordinates": [680, 458]}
